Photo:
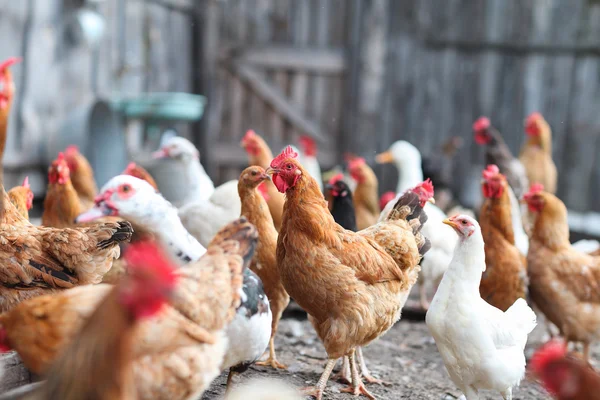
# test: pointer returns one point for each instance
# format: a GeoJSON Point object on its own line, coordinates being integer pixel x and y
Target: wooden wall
{"type": "Point", "coordinates": [424, 70]}
{"type": "Point", "coordinates": [147, 46]}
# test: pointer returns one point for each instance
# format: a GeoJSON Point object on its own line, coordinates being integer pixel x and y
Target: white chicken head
{"type": "Point", "coordinates": [177, 147]}
{"type": "Point", "coordinates": [464, 225]}
{"type": "Point", "coordinates": [125, 196]}
{"type": "Point", "coordinates": [401, 153]}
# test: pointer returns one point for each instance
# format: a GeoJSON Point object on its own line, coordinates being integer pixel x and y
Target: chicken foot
{"type": "Point", "coordinates": [358, 387]}
{"type": "Point", "coordinates": [364, 371]}
{"type": "Point", "coordinates": [272, 360]}
{"type": "Point", "coordinates": [317, 391]}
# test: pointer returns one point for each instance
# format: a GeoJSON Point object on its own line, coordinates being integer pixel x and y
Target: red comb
{"type": "Point", "coordinates": [72, 149]}
{"type": "Point", "coordinates": [386, 198]}
{"type": "Point", "coordinates": [307, 140]}
{"type": "Point", "coordinates": [61, 156]}
{"type": "Point", "coordinates": [533, 117]}
{"type": "Point", "coordinates": [7, 63]}
{"type": "Point", "coordinates": [356, 162]}
{"type": "Point", "coordinates": [426, 185]}
{"type": "Point", "coordinates": [149, 256]}
{"type": "Point", "coordinates": [536, 188]}
{"type": "Point", "coordinates": [288, 152]}
{"type": "Point", "coordinates": [309, 145]}
{"type": "Point", "coordinates": [26, 183]}
{"type": "Point", "coordinates": [130, 167]}
{"type": "Point", "coordinates": [482, 123]}
{"type": "Point", "coordinates": [551, 351]}
{"type": "Point", "coordinates": [490, 172]}
{"type": "Point", "coordinates": [336, 178]}
{"type": "Point", "coordinates": [348, 157]}
{"type": "Point", "coordinates": [249, 135]}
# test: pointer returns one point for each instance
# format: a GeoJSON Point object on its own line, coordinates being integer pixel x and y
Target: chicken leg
{"type": "Point", "coordinates": [358, 387]}
{"type": "Point", "coordinates": [364, 371]}
{"type": "Point", "coordinates": [344, 374]}
{"type": "Point", "coordinates": [317, 391]}
{"type": "Point", "coordinates": [272, 360]}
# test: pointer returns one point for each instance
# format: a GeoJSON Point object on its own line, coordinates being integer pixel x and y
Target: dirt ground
{"type": "Point", "coordinates": [406, 357]}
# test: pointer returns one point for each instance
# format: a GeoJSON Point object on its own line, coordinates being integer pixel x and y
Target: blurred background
{"type": "Point", "coordinates": [112, 75]}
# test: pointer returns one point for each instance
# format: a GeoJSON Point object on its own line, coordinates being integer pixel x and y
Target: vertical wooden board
{"type": "Point", "coordinates": [583, 134]}
{"type": "Point", "coordinates": [105, 79]}
{"type": "Point", "coordinates": [132, 49]}
{"type": "Point", "coordinates": [258, 34]}
{"type": "Point", "coordinates": [300, 35]}
{"type": "Point", "coordinates": [238, 95]}
{"type": "Point", "coordinates": [589, 26]}
{"type": "Point", "coordinates": [179, 56]}
{"type": "Point", "coordinates": [319, 84]}
{"type": "Point", "coordinates": [157, 31]}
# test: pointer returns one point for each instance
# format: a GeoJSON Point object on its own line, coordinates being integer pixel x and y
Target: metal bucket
{"type": "Point", "coordinates": [96, 129]}
{"type": "Point", "coordinates": [170, 177]}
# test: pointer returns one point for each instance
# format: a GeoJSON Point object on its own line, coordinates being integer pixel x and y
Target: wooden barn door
{"type": "Point", "coordinates": [279, 70]}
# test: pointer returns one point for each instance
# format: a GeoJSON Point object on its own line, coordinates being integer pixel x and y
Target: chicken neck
{"type": "Point", "coordinates": [497, 152]}
{"type": "Point", "coordinates": [410, 172]}
{"type": "Point", "coordinates": [551, 228]}
{"type": "Point", "coordinates": [200, 186]}
{"type": "Point", "coordinates": [464, 272]}
{"type": "Point", "coordinates": [497, 213]}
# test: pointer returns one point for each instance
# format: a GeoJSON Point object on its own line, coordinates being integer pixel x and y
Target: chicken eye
{"type": "Point", "coordinates": [253, 173]}
{"type": "Point", "coordinates": [463, 222]}
{"type": "Point", "coordinates": [126, 188]}
{"type": "Point", "coordinates": [289, 166]}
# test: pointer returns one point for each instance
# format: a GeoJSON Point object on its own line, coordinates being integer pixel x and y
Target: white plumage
{"type": "Point", "coordinates": [481, 346]}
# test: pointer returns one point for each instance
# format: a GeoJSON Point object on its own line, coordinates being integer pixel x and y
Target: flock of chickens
{"type": "Point", "coordinates": [202, 285]}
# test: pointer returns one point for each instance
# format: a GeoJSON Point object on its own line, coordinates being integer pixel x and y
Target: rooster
{"type": "Point", "coordinates": [22, 198]}
{"type": "Point", "coordinates": [482, 347]}
{"type": "Point", "coordinates": [536, 153]}
{"type": "Point", "coordinates": [505, 279]}
{"type": "Point", "coordinates": [260, 154]}
{"type": "Point", "coordinates": [103, 348]}
{"type": "Point", "coordinates": [82, 176]}
{"type": "Point", "coordinates": [565, 376]}
{"type": "Point", "coordinates": [563, 283]}
{"type": "Point", "coordinates": [363, 278]}
{"type": "Point", "coordinates": [61, 205]}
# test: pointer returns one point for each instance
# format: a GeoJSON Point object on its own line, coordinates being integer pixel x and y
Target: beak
{"type": "Point", "coordinates": [265, 177]}
{"type": "Point", "coordinates": [449, 222]}
{"type": "Point", "coordinates": [270, 171]}
{"type": "Point", "coordinates": [98, 211]}
{"type": "Point", "coordinates": [384, 158]}
{"type": "Point", "coordinates": [431, 200]}
{"type": "Point", "coordinates": [162, 153]}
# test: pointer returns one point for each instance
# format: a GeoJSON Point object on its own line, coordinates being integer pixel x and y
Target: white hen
{"type": "Point", "coordinates": [205, 209]}
{"type": "Point", "coordinates": [407, 159]}
{"type": "Point", "coordinates": [482, 347]}
{"type": "Point", "coordinates": [308, 158]}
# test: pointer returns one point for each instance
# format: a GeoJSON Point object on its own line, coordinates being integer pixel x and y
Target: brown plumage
{"type": "Point", "coordinates": [536, 153]}
{"type": "Point", "coordinates": [178, 353]}
{"type": "Point", "coordinates": [366, 198]}
{"type": "Point", "coordinates": [505, 277]}
{"type": "Point", "coordinates": [22, 198]}
{"type": "Point", "coordinates": [62, 204]}
{"type": "Point", "coordinates": [254, 207]}
{"type": "Point", "coordinates": [363, 278]}
{"type": "Point", "coordinates": [82, 177]}
{"type": "Point", "coordinates": [39, 260]}
{"type": "Point", "coordinates": [563, 283]}
{"type": "Point", "coordinates": [139, 172]}
{"type": "Point", "coordinates": [260, 154]}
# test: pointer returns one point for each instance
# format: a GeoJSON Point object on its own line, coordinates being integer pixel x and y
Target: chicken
{"type": "Point", "coordinates": [178, 353]}
{"type": "Point", "coordinates": [366, 201]}
{"type": "Point", "coordinates": [563, 375]}
{"type": "Point", "coordinates": [7, 90]}
{"type": "Point", "coordinates": [482, 347]}
{"type": "Point", "coordinates": [22, 198]}
{"type": "Point", "coordinates": [363, 278]}
{"type": "Point", "coordinates": [342, 210]}
{"type": "Point", "coordinates": [505, 279]}
{"type": "Point", "coordinates": [199, 185]}
{"type": "Point", "coordinates": [264, 389]}
{"type": "Point", "coordinates": [408, 161]}
{"type": "Point", "coordinates": [498, 153]}
{"type": "Point", "coordinates": [536, 153]}
{"type": "Point", "coordinates": [308, 158]}
{"type": "Point", "coordinates": [260, 154]}
{"type": "Point", "coordinates": [103, 349]}
{"type": "Point", "coordinates": [61, 205]}
{"type": "Point", "coordinates": [563, 282]}
{"type": "Point", "coordinates": [254, 207]}
{"type": "Point", "coordinates": [136, 170]}
{"type": "Point", "coordinates": [135, 200]}
{"type": "Point", "coordinates": [82, 176]}
{"type": "Point", "coordinates": [40, 260]}
{"type": "Point", "coordinates": [204, 218]}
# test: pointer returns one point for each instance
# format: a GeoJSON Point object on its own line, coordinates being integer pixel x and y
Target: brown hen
{"type": "Point", "coordinates": [366, 200]}
{"type": "Point", "coordinates": [61, 205]}
{"type": "Point", "coordinates": [22, 198]}
{"type": "Point", "coordinates": [536, 153]}
{"type": "Point", "coordinates": [352, 285]}
{"type": "Point", "coordinates": [82, 177]}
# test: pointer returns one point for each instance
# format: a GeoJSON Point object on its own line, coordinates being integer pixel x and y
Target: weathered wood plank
{"type": "Point", "coordinates": [300, 35]}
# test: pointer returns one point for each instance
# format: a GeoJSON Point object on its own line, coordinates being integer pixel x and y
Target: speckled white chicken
{"type": "Point", "coordinates": [481, 346]}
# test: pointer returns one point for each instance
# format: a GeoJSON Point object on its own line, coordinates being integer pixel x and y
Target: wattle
{"type": "Point", "coordinates": [280, 183]}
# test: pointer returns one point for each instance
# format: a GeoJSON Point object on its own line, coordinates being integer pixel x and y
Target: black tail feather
{"type": "Point", "coordinates": [122, 234]}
